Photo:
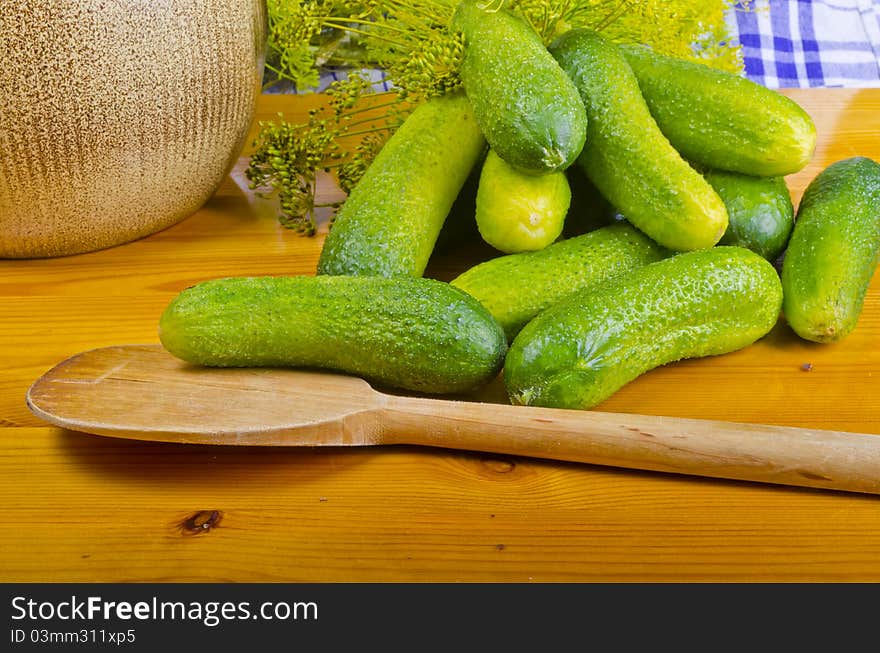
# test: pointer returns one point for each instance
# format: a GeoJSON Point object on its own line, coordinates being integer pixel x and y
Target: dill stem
{"type": "Point", "coordinates": [546, 18]}
{"type": "Point", "coordinates": [368, 34]}
{"type": "Point", "coordinates": [382, 105]}
{"type": "Point", "coordinates": [362, 121]}
{"type": "Point", "coordinates": [331, 21]}
{"type": "Point", "coordinates": [275, 70]}
{"type": "Point", "coordinates": [614, 14]}
{"type": "Point", "coordinates": [364, 132]}
{"type": "Point", "coordinates": [421, 25]}
{"type": "Point", "coordinates": [420, 10]}
{"type": "Point", "coordinates": [376, 95]}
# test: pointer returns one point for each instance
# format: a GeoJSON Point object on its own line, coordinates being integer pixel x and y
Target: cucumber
{"type": "Point", "coordinates": [517, 211]}
{"type": "Point", "coordinates": [833, 250]}
{"type": "Point", "coordinates": [721, 120]}
{"type": "Point", "coordinates": [761, 215]}
{"type": "Point", "coordinates": [389, 224]}
{"type": "Point", "coordinates": [517, 287]}
{"type": "Point", "coordinates": [415, 334]}
{"type": "Point", "coordinates": [628, 158]}
{"type": "Point", "coordinates": [528, 109]}
{"type": "Point", "coordinates": [582, 350]}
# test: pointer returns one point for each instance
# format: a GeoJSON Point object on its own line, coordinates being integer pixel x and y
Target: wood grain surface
{"type": "Point", "coordinates": [77, 507]}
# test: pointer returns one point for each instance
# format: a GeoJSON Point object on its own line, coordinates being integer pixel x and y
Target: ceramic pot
{"type": "Point", "coordinates": [119, 118]}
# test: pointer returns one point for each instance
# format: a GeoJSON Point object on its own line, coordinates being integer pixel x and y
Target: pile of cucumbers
{"type": "Point", "coordinates": [692, 161]}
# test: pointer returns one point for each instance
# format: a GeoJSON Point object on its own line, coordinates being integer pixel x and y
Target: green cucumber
{"type": "Point", "coordinates": [415, 334]}
{"type": "Point", "coordinates": [585, 348]}
{"type": "Point", "coordinates": [833, 250]}
{"type": "Point", "coordinates": [515, 288]}
{"type": "Point", "coordinates": [721, 120]}
{"type": "Point", "coordinates": [528, 109]}
{"type": "Point", "coordinates": [517, 211]}
{"type": "Point", "coordinates": [627, 157]}
{"type": "Point", "coordinates": [760, 211]}
{"type": "Point", "coordinates": [388, 225]}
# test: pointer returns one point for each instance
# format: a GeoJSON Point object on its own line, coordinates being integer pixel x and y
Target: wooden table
{"type": "Point", "coordinates": [78, 507]}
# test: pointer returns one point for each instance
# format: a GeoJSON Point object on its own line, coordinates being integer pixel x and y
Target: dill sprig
{"type": "Point", "coordinates": [288, 156]}
{"type": "Point", "coordinates": [689, 29]}
{"type": "Point", "coordinates": [284, 163]}
{"type": "Point", "coordinates": [410, 40]}
{"type": "Point", "coordinates": [422, 55]}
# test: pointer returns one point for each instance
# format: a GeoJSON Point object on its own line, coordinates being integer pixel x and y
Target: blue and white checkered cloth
{"type": "Point", "coordinates": [810, 43]}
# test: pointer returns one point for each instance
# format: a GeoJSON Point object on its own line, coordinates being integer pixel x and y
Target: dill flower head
{"type": "Point", "coordinates": [344, 135]}
{"type": "Point", "coordinates": [284, 163]}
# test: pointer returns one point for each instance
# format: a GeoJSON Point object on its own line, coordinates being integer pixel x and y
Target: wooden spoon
{"type": "Point", "coordinates": [142, 392]}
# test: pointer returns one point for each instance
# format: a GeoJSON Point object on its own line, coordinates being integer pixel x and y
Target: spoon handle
{"type": "Point", "coordinates": [834, 460]}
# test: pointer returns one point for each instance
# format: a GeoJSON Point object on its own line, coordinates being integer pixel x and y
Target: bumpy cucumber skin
{"type": "Point", "coordinates": [388, 225]}
{"type": "Point", "coordinates": [517, 211]}
{"type": "Point", "coordinates": [721, 120]}
{"type": "Point", "coordinates": [414, 334]}
{"type": "Point", "coordinates": [627, 157]}
{"type": "Point", "coordinates": [582, 350]}
{"type": "Point", "coordinates": [760, 212]}
{"type": "Point", "coordinates": [833, 251]}
{"type": "Point", "coordinates": [515, 288]}
{"type": "Point", "coordinates": [528, 109]}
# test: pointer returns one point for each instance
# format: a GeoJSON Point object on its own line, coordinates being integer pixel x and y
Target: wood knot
{"type": "Point", "coordinates": [200, 522]}
{"type": "Point", "coordinates": [499, 465]}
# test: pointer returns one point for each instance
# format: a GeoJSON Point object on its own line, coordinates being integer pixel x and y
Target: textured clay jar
{"type": "Point", "coordinates": [119, 118]}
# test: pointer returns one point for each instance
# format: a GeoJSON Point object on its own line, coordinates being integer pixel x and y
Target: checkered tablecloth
{"type": "Point", "coordinates": [810, 43]}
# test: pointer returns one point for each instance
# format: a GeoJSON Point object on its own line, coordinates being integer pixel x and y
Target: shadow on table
{"type": "Point", "coordinates": [140, 461]}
